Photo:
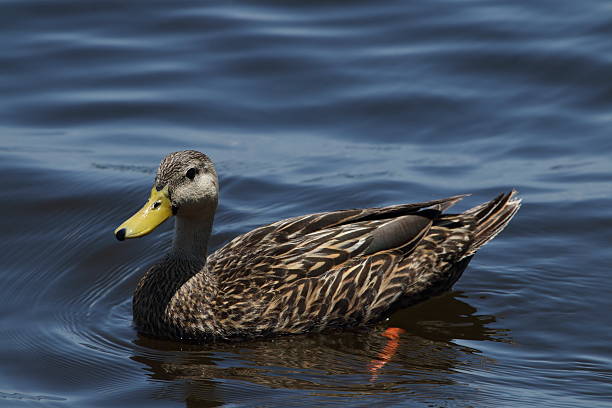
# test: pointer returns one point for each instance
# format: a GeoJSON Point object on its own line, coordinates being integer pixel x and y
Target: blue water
{"type": "Point", "coordinates": [306, 107]}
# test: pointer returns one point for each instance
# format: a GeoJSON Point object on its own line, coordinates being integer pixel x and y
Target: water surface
{"type": "Point", "coordinates": [307, 107]}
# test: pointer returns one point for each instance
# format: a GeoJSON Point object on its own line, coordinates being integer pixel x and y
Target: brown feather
{"type": "Point", "coordinates": [310, 273]}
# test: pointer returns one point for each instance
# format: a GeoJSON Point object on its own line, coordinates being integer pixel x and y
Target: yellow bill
{"type": "Point", "coordinates": [157, 210]}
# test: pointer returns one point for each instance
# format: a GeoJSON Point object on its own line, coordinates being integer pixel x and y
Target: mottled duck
{"type": "Point", "coordinates": [338, 269]}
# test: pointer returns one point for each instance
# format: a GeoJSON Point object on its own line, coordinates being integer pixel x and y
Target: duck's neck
{"type": "Point", "coordinates": [191, 237]}
{"type": "Point", "coordinates": [173, 298]}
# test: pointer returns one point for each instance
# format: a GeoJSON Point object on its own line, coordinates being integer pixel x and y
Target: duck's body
{"type": "Point", "coordinates": [309, 273]}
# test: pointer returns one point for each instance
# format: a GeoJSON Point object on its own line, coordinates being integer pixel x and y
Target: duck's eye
{"type": "Point", "coordinates": [191, 173]}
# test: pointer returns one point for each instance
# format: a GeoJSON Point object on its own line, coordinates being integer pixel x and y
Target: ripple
{"type": "Point", "coordinates": [307, 107]}
{"type": "Point", "coordinates": [20, 396]}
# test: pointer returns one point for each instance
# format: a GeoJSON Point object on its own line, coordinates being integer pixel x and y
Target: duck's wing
{"type": "Point", "coordinates": [311, 244]}
{"type": "Point", "coordinates": [340, 268]}
{"type": "Point", "coordinates": [347, 268]}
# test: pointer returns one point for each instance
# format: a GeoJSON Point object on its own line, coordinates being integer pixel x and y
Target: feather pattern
{"type": "Point", "coordinates": [314, 272]}
{"type": "Point", "coordinates": [339, 269]}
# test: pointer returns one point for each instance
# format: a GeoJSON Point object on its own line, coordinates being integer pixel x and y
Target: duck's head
{"type": "Point", "coordinates": [185, 185]}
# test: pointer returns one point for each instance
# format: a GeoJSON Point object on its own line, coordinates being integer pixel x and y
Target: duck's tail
{"type": "Point", "coordinates": [492, 217]}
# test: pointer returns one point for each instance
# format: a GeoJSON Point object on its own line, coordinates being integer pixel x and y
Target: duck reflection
{"type": "Point", "coordinates": [416, 348]}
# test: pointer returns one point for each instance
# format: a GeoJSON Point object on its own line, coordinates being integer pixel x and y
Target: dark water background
{"type": "Point", "coordinates": [308, 106]}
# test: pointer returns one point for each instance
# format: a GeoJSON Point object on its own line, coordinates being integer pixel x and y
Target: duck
{"type": "Point", "coordinates": [342, 269]}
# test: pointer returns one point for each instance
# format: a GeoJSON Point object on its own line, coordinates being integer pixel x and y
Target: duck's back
{"type": "Point", "coordinates": [347, 268]}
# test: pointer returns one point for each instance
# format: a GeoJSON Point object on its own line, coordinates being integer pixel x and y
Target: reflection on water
{"type": "Point", "coordinates": [365, 362]}
{"type": "Point", "coordinates": [448, 318]}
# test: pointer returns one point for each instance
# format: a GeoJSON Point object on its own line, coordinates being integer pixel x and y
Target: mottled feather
{"type": "Point", "coordinates": [310, 273]}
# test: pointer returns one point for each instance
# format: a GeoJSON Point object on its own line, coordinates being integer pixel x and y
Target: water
{"type": "Point", "coordinates": [308, 107]}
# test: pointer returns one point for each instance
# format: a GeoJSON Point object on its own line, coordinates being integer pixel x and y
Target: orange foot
{"type": "Point", "coordinates": [393, 334]}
